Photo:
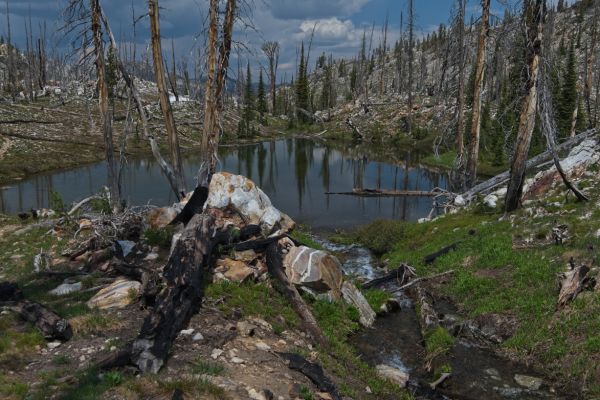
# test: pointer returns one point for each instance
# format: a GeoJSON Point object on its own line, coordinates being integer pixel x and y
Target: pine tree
{"type": "Point", "coordinates": [568, 94]}
{"type": "Point", "coordinates": [302, 90]}
{"type": "Point", "coordinates": [261, 105]}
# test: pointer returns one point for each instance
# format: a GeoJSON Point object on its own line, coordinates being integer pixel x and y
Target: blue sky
{"type": "Point", "coordinates": [339, 23]}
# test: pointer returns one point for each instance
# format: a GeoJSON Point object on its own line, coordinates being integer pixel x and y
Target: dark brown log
{"type": "Point", "coordinates": [182, 296]}
{"type": "Point", "coordinates": [429, 259]}
{"type": "Point", "coordinates": [312, 371]}
{"type": "Point", "coordinates": [49, 323]}
{"type": "Point", "coordinates": [275, 255]}
{"type": "Point", "coordinates": [385, 193]}
{"type": "Point", "coordinates": [400, 275]}
{"type": "Point", "coordinates": [52, 326]}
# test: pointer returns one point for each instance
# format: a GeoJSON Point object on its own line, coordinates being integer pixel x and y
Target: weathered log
{"type": "Point", "coordinates": [573, 282]}
{"type": "Point", "coordinates": [275, 255]}
{"type": "Point", "coordinates": [415, 281]}
{"type": "Point", "coordinates": [354, 297]}
{"type": "Point", "coordinates": [52, 326]}
{"type": "Point", "coordinates": [428, 317]}
{"type": "Point", "coordinates": [182, 296]}
{"type": "Point", "coordinates": [430, 258]}
{"type": "Point", "coordinates": [312, 371]}
{"type": "Point", "coordinates": [531, 163]}
{"type": "Point", "coordinates": [400, 275]}
{"type": "Point", "coordinates": [194, 206]}
{"type": "Point", "coordinates": [385, 193]}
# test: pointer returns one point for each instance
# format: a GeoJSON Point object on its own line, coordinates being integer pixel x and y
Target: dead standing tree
{"type": "Point", "coordinates": [106, 114]}
{"type": "Point", "coordinates": [215, 84]}
{"type": "Point", "coordinates": [477, 91]}
{"type": "Point", "coordinates": [535, 10]}
{"type": "Point", "coordinates": [165, 104]}
{"type": "Point", "coordinates": [271, 50]}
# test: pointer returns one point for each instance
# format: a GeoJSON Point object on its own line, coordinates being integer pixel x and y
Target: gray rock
{"type": "Point", "coordinates": [116, 295]}
{"type": "Point", "coordinates": [529, 382]}
{"type": "Point", "coordinates": [66, 288]}
{"type": "Point", "coordinates": [392, 374]}
{"type": "Point", "coordinates": [490, 201]}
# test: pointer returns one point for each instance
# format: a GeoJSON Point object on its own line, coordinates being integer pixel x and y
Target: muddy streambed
{"type": "Point", "coordinates": [395, 340]}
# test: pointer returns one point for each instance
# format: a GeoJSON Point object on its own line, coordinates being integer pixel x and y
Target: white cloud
{"type": "Point", "coordinates": [304, 9]}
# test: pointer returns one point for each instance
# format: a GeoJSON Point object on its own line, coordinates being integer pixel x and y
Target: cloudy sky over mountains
{"type": "Point", "coordinates": [339, 24]}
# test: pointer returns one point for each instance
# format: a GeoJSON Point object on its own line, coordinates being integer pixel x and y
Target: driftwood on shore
{"type": "Point", "coordinates": [399, 275]}
{"type": "Point", "coordinates": [385, 193]}
{"type": "Point", "coordinates": [430, 258]}
{"type": "Point", "coordinates": [531, 163]}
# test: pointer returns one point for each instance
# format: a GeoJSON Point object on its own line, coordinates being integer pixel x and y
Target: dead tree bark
{"type": "Point", "coordinates": [411, 56]}
{"type": "Point", "coordinates": [460, 120]}
{"type": "Point", "coordinates": [166, 168]}
{"type": "Point", "coordinates": [590, 63]}
{"type": "Point", "coordinates": [271, 50]}
{"type": "Point", "coordinates": [182, 296]}
{"type": "Point", "coordinates": [275, 256]}
{"type": "Point", "coordinates": [573, 282]}
{"type": "Point", "coordinates": [165, 104]}
{"type": "Point", "coordinates": [535, 11]}
{"type": "Point", "coordinates": [479, 76]}
{"type": "Point", "coordinates": [105, 111]}
{"type": "Point", "coordinates": [215, 85]}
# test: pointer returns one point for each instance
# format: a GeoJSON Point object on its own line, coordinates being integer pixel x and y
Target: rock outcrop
{"type": "Point", "coordinates": [314, 269]}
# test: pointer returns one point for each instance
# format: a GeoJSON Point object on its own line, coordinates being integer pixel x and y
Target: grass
{"type": "Point", "coordinates": [376, 298]}
{"type": "Point", "coordinates": [380, 236]}
{"type": "Point", "coordinates": [11, 388]}
{"type": "Point", "coordinates": [202, 367]}
{"type": "Point", "coordinates": [446, 161]}
{"type": "Point", "coordinates": [493, 277]}
{"type": "Point", "coordinates": [438, 341]}
{"type": "Point", "coordinates": [251, 299]}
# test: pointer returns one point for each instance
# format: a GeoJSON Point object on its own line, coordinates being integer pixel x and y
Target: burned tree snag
{"type": "Point", "coordinates": [182, 296]}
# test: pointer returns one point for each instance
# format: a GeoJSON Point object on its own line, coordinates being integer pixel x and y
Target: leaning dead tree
{"type": "Point", "coordinates": [165, 104]}
{"type": "Point", "coordinates": [535, 10]}
{"type": "Point", "coordinates": [477, 91]}
{"type": "Point", "coordinates": [216, 73]}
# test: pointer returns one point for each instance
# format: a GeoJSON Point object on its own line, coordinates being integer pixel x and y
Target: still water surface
{"type": "Point", "coordinates": [294, 173]}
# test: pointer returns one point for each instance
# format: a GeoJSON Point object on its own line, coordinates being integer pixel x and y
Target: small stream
{"type": "Point", "coordinates": [396, 340]}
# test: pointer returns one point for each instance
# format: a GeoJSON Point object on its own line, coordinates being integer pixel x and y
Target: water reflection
{"type": "Point", "coordinates": [295, 173]}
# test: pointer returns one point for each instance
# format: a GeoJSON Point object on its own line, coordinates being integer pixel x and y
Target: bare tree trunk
{"type": "Point", "coordinates": [411, 56]}
{"type": "Point", "coordinates": [460, 121]}
{"type": "Point", "coordinates": [590, 63]}
{"type": "Point", "coordinates": [479, 75]}
{"type": "Point", "coordinates": [382, 59]}
{"type": "Point", "coordinates": [271, 50]}
{"type": "Point", "coordinates": [215, 85]}
{"type": "Point", "coordinates": [105, 111]}
{"type": "Point", "coordinates": [165, 104]}
{"type": "Point", "coordinates": [535, 11]}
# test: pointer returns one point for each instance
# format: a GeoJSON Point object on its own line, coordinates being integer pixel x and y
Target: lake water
{"type": "Point", "coordinates": [294, 173]}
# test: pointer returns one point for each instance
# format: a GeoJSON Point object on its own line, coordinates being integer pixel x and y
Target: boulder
{"type": "Point", "coordinates": [490, 201]}
{"type": "Point", "coordinates": [159, 218]}
{"type": "Point", "coordinates": [253, 205]}
{"type": "Point", "coordinates": [233, 270]}
{"type": "Point", "coordinates": [118, 294]}
{"type": "Point", "coordinates": [529, 382]}
{"type": "Point", "coordinates": [392, 374]}
{"type": "Point", "coordinates": [66, 288]}
{"type": "Point", "coordinates": [314, 269]}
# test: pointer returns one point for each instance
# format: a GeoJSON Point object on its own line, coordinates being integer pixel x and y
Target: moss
{"type": "Point", "coordinates": [376, 298]}
{"type": "Point", "coordinates": [438, 341]}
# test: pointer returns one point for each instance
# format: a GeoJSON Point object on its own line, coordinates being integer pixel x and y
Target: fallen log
{"type": "Point", "coordinates": [415, 281]}
{"type": "Point", "coordinates": [400, 275]}
{"type": "Point", "coordinates": [182, 296]}
{"type": "Point", "coordinates": [354, 297]}
{"type": "Point", "coordinates": [312, 371]}
{"type": "Point", "coordinates": [430, 258]}
{"type": "Point", "coordinates": [275, 254]}
{"type": "Point", "coordinates": [52, 326]}
{"type": "Point", "coordinates": [385, 193]}
{"type": "Point", "coordinates": [573, 282]}
{"type": "Point", "coordinates": [531, 163]}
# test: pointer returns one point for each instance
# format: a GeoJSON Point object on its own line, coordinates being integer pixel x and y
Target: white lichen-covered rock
{"type": "Point", "coordinates": [490, 201]}
{"type": "Point", "coordinates": [66, 288]}
{"type": "Point", "coordinates": [314, 269]}
{"type": "Point", "coordinates": [460, 201]}
{"type": "Point", "coordinates": [239, 192]}
{"type": "Point", "coordinates": [392, 374]}
{"type": "Point", "coordinates": [118, 294]}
